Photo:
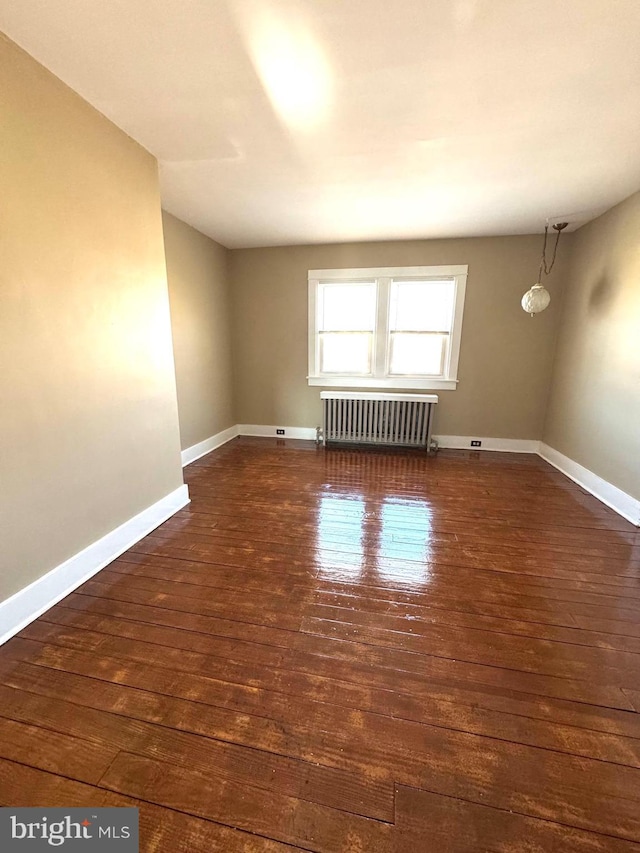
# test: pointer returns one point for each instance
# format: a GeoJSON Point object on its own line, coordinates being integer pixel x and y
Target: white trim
{"type": "Point", "coordinates": [456, 329]}
{"type": "Point", "coordinates": [313, 344]}
{"type": "Point", "coordinates": [381, 355]}
{"type": "Point", "coordinates": [367, 382]}
{"type": "Point", "coordinates": [621, 502]}
{"type": "Point", "coordinates": [379, 376]}
{"type": "Point", "coordinates": [27, 604]}
{"type": "Point", "coordinates": [367, 395]}
{"type": "Point", "coordinates": [270, 431]}
{"type": "Point", "coordinates": [443, 271]}
{"type": "Point", "coordinates": [203, 447]}
{"type": "Point", "coordinates": [452, 442]}
{"type": "Point", "coordinates": [505, 445]}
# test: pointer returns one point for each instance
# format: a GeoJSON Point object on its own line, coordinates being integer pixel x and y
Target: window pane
{"type": "Point", "coordinates": [347, 307]}
{"type": "Point", "coordinates": [421, 306]}
{"type": "Point", "coordinates": [416, 354]}
{"type": "Point", "coordinates": [345, 353]}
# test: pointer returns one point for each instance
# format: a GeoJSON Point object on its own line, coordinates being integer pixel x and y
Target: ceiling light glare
{"type": "Point", "coordinates": [289, 62]}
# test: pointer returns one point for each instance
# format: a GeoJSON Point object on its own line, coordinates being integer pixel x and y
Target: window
{"type": "Point", "coordinates": [386, 328]}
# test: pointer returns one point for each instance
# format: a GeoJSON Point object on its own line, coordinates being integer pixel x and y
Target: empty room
{"type": "Point", "coordinates": [320, 426]}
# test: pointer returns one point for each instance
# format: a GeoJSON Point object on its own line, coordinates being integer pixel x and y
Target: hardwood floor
{"type": "Point", "coordinates": [359, 651]}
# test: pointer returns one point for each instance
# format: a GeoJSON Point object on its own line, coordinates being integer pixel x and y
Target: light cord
{"type": "Point", "coordinates": [543, 259]}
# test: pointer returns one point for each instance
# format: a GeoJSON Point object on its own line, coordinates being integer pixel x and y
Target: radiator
{"type": "Point", "coordinates": [405, 420]}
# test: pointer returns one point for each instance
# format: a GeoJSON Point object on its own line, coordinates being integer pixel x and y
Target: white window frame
{"type": "Point", "coordinates": [379, 377]}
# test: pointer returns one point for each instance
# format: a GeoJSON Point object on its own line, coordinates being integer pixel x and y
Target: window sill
{"type": "Point", "coordinates": [368, 382]}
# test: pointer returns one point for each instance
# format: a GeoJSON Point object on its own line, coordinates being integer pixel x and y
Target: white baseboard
{"type": "Point", "coordinates": [457, 442]}
{"type": "Point", "coordinates": [27, 604]}
{"type": "Point", "coordinates": [270, 431]}
{"type": "Point", "coordinates": [203, 447]}
{"type": "Point", "coordinates": [615, 498]}
{"type": "Point", "coordinates": [622, 503]}
{"type": "Point", "coordinates": [506, 445]}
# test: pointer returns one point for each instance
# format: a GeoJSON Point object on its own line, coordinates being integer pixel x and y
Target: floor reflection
{"type": "Point", "coordinates": [367, 541]}
{"type": "Point", "coordinates": [404, 536]}
{"type": "Point", "coordinates": [340, 547]}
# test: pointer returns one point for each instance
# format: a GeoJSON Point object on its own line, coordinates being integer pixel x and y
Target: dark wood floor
{"type": "Point", "coordinates": [347, 651]}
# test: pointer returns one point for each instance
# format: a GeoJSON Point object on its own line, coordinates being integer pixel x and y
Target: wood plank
{"type": "Point", "coordinates": [322, 653]}
{"type": "Point", "coordinates": [525, 654]}
{"type": "Point", "coordinates": [569, 728]}
{"type": "Point", "coordinates": [96, 607]}
{"type": "Point", "coordinates": [318, 654]}
{"type": "Point", "coordinates": [215, 515]}
{"type": "Point", "coordinates": [423, 625]}
{"type": "Point", "coordinates": [392, 600]}
{"type": "Point", "coordinates": [293, 821]}
{"type": "Point", "coordinates": [589, 543]}
{"type": "Point", "coordinates": [414, 699]}
{"type": "Point", "coordinates": [160, 829]}
{"type": "Point", "coordinates": [252, 612]}
{"type": "Point", "coordinates": [539, 580]}
{"type": "Point", "coordinates": [71, 755]}
{"type": "Point", "coordinates": [104, 734]}
{"type": "Point", "coordinates": [550, 784]}
{"type": "Point", "coordinates": [459, 826]}
{"type": "Point", "coordinates": [443, 548]}
{"type": "Point", "coordinates": [388, 555]}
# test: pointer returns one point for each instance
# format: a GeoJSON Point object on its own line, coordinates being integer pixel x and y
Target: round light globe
{"type": "Point", "coordinates": [536, 299]}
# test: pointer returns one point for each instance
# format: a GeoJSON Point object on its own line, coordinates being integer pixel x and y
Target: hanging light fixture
{"type": "Point", "coordinates": [537, 298]}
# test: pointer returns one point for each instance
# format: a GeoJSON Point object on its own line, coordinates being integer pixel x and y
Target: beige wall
{"type": "Point", "coordinates": [594, 404]}
{"type": "Point", "coordinates": [200, 318]}
{"type": "Point", "coordinates": [505, 357]}
{"type": "Point", "coordinates": [88, 418]}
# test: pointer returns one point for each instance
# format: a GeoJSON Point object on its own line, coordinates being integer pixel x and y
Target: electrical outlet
{"type": "Point", "coordinates": [279, 432]}
{"type": "Point", "coordinates": [476, 443]}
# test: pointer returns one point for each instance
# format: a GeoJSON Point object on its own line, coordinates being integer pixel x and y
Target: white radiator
{"type": "Point", "coordinates": [374, 418]}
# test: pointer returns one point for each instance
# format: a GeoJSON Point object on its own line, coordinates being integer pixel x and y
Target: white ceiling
{"type": "Point", "coordinates": [305, 121]}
